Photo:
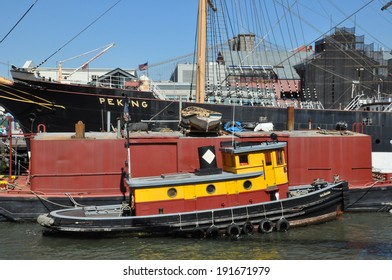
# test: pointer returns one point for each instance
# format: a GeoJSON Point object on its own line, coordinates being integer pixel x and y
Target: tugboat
{"type": "Point", "coordinates": [250, 192]}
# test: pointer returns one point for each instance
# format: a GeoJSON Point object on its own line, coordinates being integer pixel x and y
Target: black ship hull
{"type": "Point", "coordinates": [39, 105]}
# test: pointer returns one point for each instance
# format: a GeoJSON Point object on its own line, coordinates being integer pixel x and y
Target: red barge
{"type": "Point", "coordinates": [66, 171]}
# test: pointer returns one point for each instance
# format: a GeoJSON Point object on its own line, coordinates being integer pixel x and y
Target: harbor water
{"type": "Point", "coordinates": [354, 236]}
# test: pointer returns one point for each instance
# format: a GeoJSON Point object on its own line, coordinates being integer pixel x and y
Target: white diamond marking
{"type": "Point", "coordinates": [208, 156]}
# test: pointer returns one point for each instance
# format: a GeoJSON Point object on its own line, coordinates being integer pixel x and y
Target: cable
{"type": "Point", "coordinates": [9, 32]}
{"type": "Point", "coordinates": [77, 35]}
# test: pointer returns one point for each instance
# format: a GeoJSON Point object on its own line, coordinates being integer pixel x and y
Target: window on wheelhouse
{"type": "Point", "coordinates": [279, 157]}
{"type": "Point", "coordinates": [243, 159]}
{"type": "Point", "coordinates": [268, 160]}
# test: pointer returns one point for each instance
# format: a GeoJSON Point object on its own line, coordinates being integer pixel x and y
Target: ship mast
{"type": "Point", "coordinates": [201, 48]}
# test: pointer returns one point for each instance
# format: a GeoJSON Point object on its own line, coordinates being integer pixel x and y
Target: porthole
{"type": "Point", "coordinates": [172, 192]}
{"type": "Point", "coordinates": [247, 185]}
{"type": "Point", "coordinates": [210, 189]}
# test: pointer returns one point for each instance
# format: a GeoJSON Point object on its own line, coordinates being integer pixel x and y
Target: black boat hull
{"type": "Point", "coordinates": [29, 207]}
{"type": "Point", "coordinates": [18, 208]}
{"type": "Point", "coordinates": [371, 199]}
{"type": "Point", "coordinates": [316, 206]}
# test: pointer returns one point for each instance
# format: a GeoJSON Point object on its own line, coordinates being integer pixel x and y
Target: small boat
{"type": "Point", "coordinates": [200, 119]}
{"type": "Point", "coordinates": [250, 192]}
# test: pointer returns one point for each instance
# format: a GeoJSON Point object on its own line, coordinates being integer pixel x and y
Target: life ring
{"type": "Point", "coordinates": [247, 227]}
{"type": "Point", "coordinates": [233, 126]}
{"type": "Point", "coordinates": [233, 230]}
{"type": "Point", "coordinates": [265, 226]}
{"type": "Point", "coordinates": [282, 225]}
{"type": "Point", "coordinates": [197, 233]}
{"type": "Point", "coordinates": [212, 232]}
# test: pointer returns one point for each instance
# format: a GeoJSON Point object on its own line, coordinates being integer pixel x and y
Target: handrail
{"type": "Point", "coordinates": [354, 103]}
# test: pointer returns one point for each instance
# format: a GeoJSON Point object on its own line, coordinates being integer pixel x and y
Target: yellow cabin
{"type": "Point", "coordinates": [252, 173]}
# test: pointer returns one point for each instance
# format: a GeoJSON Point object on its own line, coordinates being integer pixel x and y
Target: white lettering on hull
{"type": "Point", "coordinates": [119, 102]}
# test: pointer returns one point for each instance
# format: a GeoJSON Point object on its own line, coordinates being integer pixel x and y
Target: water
{"type": "Point", "coordinates": [354, 236]}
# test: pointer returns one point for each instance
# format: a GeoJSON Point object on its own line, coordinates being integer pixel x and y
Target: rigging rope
{"type": "Point", "coordinates": [46, 103]}
{"type": "Point", "coordinates": [77, 35]}
{"type": "Point", "coordinates": [9, 32]}
{"type": "Point", "coordinates": [237, 70]}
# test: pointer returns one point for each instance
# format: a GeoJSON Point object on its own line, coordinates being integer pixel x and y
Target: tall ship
{"type": "Point", "coordinates": [337, 81]}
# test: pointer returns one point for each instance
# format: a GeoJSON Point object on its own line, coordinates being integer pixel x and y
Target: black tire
{"type": "Point", "coordinates": [212, 232]}
{"type": "Point", "coordinates": [282, 225]}
{"type": "Point", "coordinates": [233, 230]}
{"type": "Point", "coordinates": [247, 227]}
{"type": "Point", "coordinates": [197, 233]}
{"type": "Point", "coordinates": [265, 226]}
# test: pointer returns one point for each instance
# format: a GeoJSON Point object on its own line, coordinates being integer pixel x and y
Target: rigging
{"type": "Point", "coordinates": [77, 35]}
{"type": "Point", "coordinates": [9, 32]}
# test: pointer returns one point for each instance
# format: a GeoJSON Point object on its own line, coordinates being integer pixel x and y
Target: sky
{"type": "Point", "coordinates": [150, 31]}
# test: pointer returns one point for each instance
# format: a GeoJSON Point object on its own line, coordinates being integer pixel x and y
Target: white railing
{"type": "Point", "coordinates": [388, 108]}
{"type": "Point", "coordinates": [354, 103]}
{"type": "Point", "coordinates": [157, 91]}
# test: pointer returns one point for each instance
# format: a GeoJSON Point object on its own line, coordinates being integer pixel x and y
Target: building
{"type": "Point", "coordinates": [343, 66]}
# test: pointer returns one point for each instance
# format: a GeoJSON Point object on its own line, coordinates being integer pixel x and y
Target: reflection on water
{"type": "Point", "coordinates": [354, 236]}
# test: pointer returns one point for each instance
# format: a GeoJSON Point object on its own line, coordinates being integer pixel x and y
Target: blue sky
{"type": "Point", "coordinates": [148, 30]}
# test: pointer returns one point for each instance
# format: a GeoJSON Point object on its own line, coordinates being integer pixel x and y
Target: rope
{"type": "Point", "coordinates": [74, 201]}
{"type": "Point", "coordinates": [13, 186]}
{"type": "Point", "coordinates": [77, 35]}
{"type": "Point", "coordinates": [161, 110]}
{"type": "Point", "coordinates": [281, 206]}
{"type": "Point", "coordinates": [47, 105]}
{"type": "Point", "coordinates": [362, 196]}
{"type": "Point", "coordinates": [9, 32]}
{"type": "Point", "coordinates": [29, 94]}
{"type": "Point", "coordinates": [32, 102]}
{"type": "Point", "coordinates": [197, 219]}
{"type": "Point", "coordinates": [212, 218]}
{"type": "Point", "coordinates": [47, 200]}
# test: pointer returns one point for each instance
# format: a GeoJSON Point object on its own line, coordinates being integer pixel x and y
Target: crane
{"type": "Point", "coordinates": [60, 63]}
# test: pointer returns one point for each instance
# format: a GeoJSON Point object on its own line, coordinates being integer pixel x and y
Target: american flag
{"type": "Point", "coordinates": [143, 67]}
